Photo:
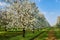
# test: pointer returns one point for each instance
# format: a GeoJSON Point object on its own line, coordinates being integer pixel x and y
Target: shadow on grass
{"type": "Point", "coordinates": [7, 35]}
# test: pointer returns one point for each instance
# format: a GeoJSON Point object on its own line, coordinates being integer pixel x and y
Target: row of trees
{"type": "Point", "coordinates": [22, 14]}
{"type": "Point", "coordinates": [57, 22]}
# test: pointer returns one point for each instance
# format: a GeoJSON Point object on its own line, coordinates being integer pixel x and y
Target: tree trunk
{"type": "Point", "coordinates": [5, 28]}
{"type": "Point", "coordinates": [33, 30]}
{"type": "Point", "coordinates": [23, 32]}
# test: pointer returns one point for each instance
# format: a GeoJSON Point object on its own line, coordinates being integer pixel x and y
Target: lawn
{"type": "Point", "coordinates": [57, 32]}
{"type": "Point", "coordinates": [44, 35]}
{"type": "Point", "coordinates": [18, 35]}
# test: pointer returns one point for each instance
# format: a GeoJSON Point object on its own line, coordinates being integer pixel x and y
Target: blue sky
{"type": "Point", "coordinates": [50, 8]}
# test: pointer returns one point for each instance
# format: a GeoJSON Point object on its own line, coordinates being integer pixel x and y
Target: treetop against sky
{"type": "Point", "coordinates": [50, 8]}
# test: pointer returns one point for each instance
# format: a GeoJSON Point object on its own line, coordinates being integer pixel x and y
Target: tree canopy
{"type": "Point", "coordinates": [22, 14]}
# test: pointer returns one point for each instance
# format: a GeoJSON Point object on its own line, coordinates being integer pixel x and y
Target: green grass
{"type": "Point", "coordinates": [6, 35]}
{"type": "Point", "coordinates": [18, 35]}
{"type": "Point", "coordinates": [44, 35]}
{"type": "Point", "coordinates": [57, 32]}
{"type": "Point", "coordinates": [28, 36]}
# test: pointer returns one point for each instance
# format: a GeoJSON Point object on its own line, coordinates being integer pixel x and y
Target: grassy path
{"type": "Point", "coordinates": [47, 35]}
{"type": "Point", "coordinates": [51, 35]}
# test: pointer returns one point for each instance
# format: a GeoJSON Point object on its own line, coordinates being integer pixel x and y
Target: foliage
{"type": "Point", "coordinates": [22, 14]}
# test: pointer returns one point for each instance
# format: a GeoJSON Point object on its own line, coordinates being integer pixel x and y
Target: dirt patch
{"type": "Point", "coordinates": [51, 35]}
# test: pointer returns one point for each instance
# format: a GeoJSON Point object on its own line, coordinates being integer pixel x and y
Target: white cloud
{"type": "Point", "coordinates": [3, 4]}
